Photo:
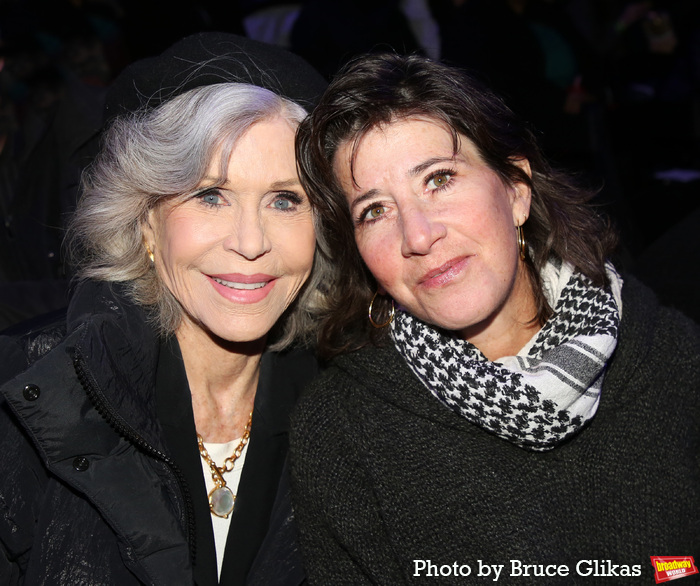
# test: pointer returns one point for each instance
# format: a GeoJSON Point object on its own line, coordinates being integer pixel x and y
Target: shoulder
{"type": "Point", "coordinates": [360, 384]}
{"type": "Point", "coordinates": [285, 374]}
{"type": "Point", "coordinates": [657, 359]}
{"type": "Point", "coordinates": [322, 412]}
{"type": "Point", "coordinates": [328, 430]}
{"type": "Point", "coordinates": [344, 399]}
{"type": "Point", "coordinates": [323, 403]}
{"type": "Point", "coordinates": [300, 363]}
{"type": "Point", "coordinates": [346, 375]}
{"type": "Point", "coordinates": [27, 342]}
{"type": "Point", "coordinates": [651, 327]}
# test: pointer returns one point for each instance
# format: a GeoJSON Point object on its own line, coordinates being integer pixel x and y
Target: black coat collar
{"type": "Point", "coordinates": [282, 377]}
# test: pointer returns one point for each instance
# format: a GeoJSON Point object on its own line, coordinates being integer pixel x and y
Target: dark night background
{"type": "Point", "coordinates": [611, 86]}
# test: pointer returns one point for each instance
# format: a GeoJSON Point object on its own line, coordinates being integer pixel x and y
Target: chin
{"type": "Point", "coordinates": [451, 321]}
{"type": "Point", "coordinates": [242, 335]}
{"type": "Point", "coordinates": [233, 330]}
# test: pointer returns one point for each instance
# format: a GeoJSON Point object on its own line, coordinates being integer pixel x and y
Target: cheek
{"type": "Point", "coordinates": [183, 236]}
{"type": "Point", "coordinates": [305, 258]}
{"type": "Point", "coordinates": [374, 252]}
{"type": "Point", "coordinates": [183, 242]}
{"type": "Point", "coordinates": [177, 255]}
{"type": "Point", "coordinates": [297, 247]}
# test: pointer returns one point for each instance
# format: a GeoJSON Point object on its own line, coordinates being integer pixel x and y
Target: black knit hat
{"type": "Point", "coordinates": [209, 58]}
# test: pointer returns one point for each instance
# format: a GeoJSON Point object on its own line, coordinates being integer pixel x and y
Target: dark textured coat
{"type": "Point", "coordinates": [383, 474]}
{"type": "Point", "coordinates": [88, 491]}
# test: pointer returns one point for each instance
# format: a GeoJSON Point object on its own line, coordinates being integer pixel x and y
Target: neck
{"type": "Point", "coordinates": [507, 332]}
{"type": "Point", "coordinates": [223, 378]}
{"type": "Point", "coordinates": [495, 346]}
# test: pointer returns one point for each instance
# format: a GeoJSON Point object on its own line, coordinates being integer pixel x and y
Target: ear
{"type": "Point", "coordinates": [522, 194]}
{"type": "Point", "coordinates": [147, 229]}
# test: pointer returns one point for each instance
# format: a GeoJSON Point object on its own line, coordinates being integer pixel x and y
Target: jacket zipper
{"type": "Point", "coordinates": [115, 420]}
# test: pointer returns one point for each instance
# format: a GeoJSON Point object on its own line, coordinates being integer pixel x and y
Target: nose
{"type": "Point", "coordinates": [420, 230]}
{"type": "Point", "coordinates": [248, 236]}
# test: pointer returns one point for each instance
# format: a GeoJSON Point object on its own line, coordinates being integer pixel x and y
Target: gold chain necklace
{"type": "Point", "coordinates": [221, 498]}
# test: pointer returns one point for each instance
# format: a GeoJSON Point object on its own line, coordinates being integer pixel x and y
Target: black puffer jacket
{"type": "Point", "coordinates": [88, 491]}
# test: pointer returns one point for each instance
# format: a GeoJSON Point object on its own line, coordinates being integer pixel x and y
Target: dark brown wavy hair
{"type": "Point", "coordinates": [374, 90]}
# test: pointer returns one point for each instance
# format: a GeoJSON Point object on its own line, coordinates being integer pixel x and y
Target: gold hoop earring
{"type": "Point", "coordinates": [521, 241]}
{"type": "Point", "coordinates": [149, 252]}
{"type": "Point", "coordinates": [369, 313]}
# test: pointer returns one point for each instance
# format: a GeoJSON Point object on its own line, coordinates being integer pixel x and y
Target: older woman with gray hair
{"type": "Point", "coordinates": [144, 433]}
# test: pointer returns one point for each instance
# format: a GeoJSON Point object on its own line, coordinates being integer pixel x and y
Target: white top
{"type": "Point", "coordinates": [219, 453]}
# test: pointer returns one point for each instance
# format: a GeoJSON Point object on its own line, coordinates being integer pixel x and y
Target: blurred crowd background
{"type": "Point", "coordinates": [612, 87]}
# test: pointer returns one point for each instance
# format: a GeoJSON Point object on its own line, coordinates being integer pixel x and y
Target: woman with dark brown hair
{"type": "Point", "coordinates": [497, 391]}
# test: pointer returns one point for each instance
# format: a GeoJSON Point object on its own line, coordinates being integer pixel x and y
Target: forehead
{"type": "Point", "coordinates": [261, 134]}
{"type": "Point", "coordinates": [268, 142]}
{"type": "Point", "coordinates": [400, 140]}
{"type": "Point", "coordinates": [405, 128]}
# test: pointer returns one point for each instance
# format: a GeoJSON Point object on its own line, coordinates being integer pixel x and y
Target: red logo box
{"type": "Point", "coordinates": [667, 567]}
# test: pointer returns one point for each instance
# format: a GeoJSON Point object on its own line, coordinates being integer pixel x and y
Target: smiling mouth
{"type": "Point", "coordinates": [244, 286]}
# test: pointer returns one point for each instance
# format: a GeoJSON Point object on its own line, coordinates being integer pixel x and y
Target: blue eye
{"type": "Point", "coordinates": [282, 204]}
{"type": "Point", "coordinates": [287, 202]}
{"type": "Point", "coordinates": [211, 198]}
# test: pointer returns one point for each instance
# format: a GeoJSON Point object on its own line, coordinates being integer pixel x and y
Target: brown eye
{"type": "Point", "coordinates": [374, 212]}
{"type": "Point", "coordinates": [439, 180]}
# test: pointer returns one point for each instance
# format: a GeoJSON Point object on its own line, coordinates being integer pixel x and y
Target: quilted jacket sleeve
{"type": "Point", "coordinates": [22, 476]}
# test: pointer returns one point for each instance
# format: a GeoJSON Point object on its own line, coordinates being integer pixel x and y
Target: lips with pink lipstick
{"type": "Point", "coordinates": [241, 288]}
{"type": "Point", "coordinates": [445, 273]}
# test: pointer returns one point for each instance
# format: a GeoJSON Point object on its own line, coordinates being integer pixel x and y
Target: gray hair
{"type": "Point", "coordinates": [152, 156]}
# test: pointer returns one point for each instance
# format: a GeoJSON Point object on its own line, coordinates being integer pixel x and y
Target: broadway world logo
{"type": "Point", "coordinates": [669, 568]}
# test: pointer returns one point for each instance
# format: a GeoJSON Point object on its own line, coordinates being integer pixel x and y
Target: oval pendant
{"type": "Point", "coordinates": [221, 501]}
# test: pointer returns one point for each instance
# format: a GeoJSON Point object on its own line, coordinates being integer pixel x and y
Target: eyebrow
{"type": "Point", "coordinates": [276, 186]}
{"type": "Point", "coordinates": [286, 184]}
{"type": "Point", "coordinates": [418, 169]}
{"type": "Point", "coordinates": [362, 198]}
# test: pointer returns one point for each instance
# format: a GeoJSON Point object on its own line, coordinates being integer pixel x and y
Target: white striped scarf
{"type": "Point", "coordinates": [550, 389]}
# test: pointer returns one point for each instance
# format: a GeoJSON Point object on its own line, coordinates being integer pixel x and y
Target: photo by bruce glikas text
{"type": "Point", "coordinates": [521, 569]}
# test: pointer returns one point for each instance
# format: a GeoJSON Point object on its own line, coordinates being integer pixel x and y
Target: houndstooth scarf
{"type": "Point", "coordinates": [550, 389]}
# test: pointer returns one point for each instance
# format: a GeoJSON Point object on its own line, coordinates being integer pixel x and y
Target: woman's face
{"type": "Point", "coordinates": [437, 229]}
{"type": "Point", "coordinates": [236, 255]}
